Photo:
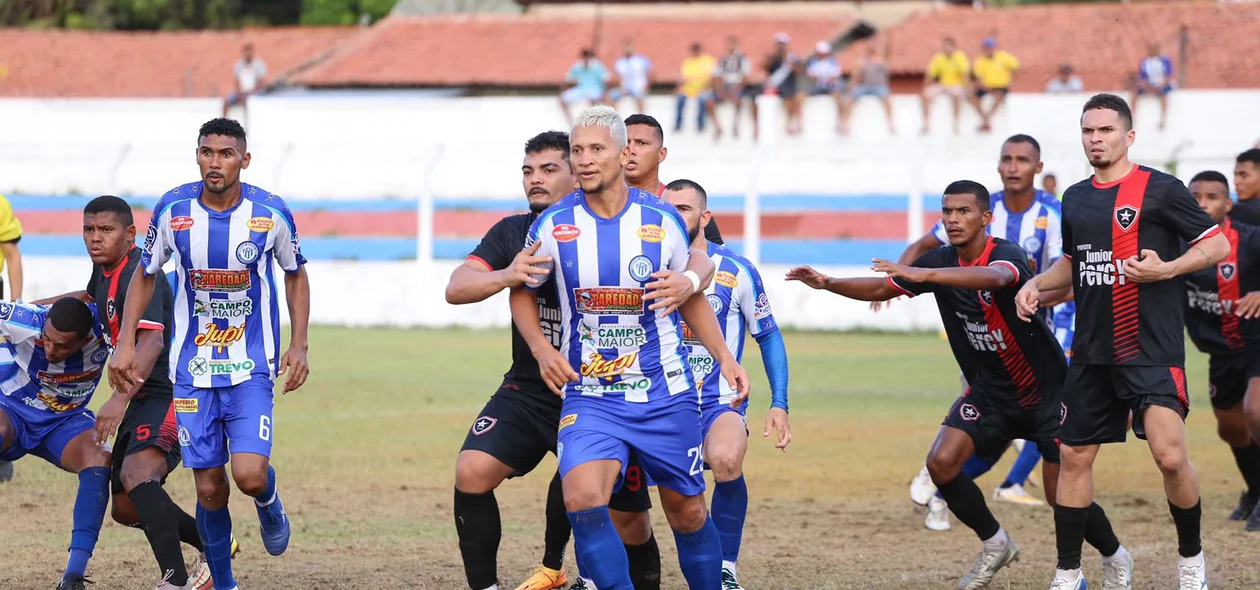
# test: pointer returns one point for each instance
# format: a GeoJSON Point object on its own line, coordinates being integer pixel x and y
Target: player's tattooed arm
{"type": "Point", "coordinates": [297, 290]}
{"type": "Point", "coordinates": [556, 370]}
{"type": "Point", "coordinates": [698, 314]}
{"type": "Point", "coordinates": [1149, 268]}
{"type": "Point", "coordinates": [862, 289]}
{"type": "Point", "coordinates": [983, 278]}
{"type": "Point", "coordinates": [80, 295]}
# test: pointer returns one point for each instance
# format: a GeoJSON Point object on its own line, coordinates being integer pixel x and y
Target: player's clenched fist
{"type": "Point", "coordinates": [1028, 301]}
{"type": "Point", "coordinates": [122, 368]}
{"type": "Point", "coordinates": [556, 370]}
{"type": "Point", "coordinates": [527, 269]}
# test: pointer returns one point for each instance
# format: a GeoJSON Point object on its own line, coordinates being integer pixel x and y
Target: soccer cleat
{"type": "Point", "coordinates": [545, 578]}
{"type": "Point", "coordinates": [1016, 494]}
{"type": "Point", "coordinates": [1077, 583]}
{"type": "Point", "coordinates": [1117, 573]}
{"type": "Point", "coordinates": [6, 471]}
{"type": "Point", "coordinates": [729, 582]}
{"type": "Point", "coordinates": [938, 515]}
{"type": "Point", "coordinates": [1192, 573]}
{"type": "Point", "coordinates": [1253, 520]}
{"type": "Point", "coordinates": [987, 565]}
{"type": "Point", "coordinates": [922, 488]}
{"type": "Point", "coordinates": [1246, 506]}
{"type": "Point", "coordinates": [273, 525]}
{"type": "Point", "coordinates": [74, 583]}
{"type": "Point", "coordinates": [199, 577]}
{"type": "Point", "coordinates": [583, 584]}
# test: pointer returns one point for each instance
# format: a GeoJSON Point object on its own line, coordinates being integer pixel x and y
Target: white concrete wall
{"type": "Point", "coordinates": [407, 294]}
{"type": "Point", "coordinates": [371, 145]}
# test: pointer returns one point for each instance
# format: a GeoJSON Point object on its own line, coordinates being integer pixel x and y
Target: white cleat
{"type": "Point", "coordinates": [987, 565]}
{"type": "Point", "coordinates": [1192, 572]}
{"type": "Point", "coordinates": [1069, 583]}
{"type": "Point", "coordinates": [938, 515]}
{"type": "Point", "coordinates": [921, 488]}
{"type": "Point", "coordinates": [1117, 572]}
{"type": "Point", "coordinates": [1016, 494]}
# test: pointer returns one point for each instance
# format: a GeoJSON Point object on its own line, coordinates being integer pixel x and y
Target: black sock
{"type": "Point", "coordinates": [1069, 533]}
{"type": "Point", "coordinates": [558, 527]}
{"type": "Point", "coordinates": [1098, 531]}
{"type": "Point", "coordinates": [479, 528]}
{"type": "Point", "coordinates": [1187, 521]}
{"type": "Point", "coordinates": [645, 565]}
{"type": "Point", "coordinates": [158, 514]}
{"type": "Point", "coordinates": [966, 501]}
{"type": "Point", "coordinates": [188, 533]}
{"type": "Point", "coordinates": [1248, 460]}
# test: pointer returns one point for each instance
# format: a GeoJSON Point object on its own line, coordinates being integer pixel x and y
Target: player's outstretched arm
{"type": "Point", "coordinates": [556, 370]}
{"type": "Point", "coordinates": [980, 278]}
{"type": "Point", "coordinates": [699, 317]}
{"type": "Point", "coordinates": [122, 366]}
{"type": "Point", "coordinates": [297, 290]}
{"type": "Point", "coordinates": [474, 281]}
{"type": "Point", "coordinates": [862, 289]}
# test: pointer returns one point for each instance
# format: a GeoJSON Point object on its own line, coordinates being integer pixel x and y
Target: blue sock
{"type": "Point", "coordinates": [700, 556]}
{"type": "Point", "coordinates": [89, 512]}
{"type": "Point", "coordinates": [269, 493]}
{"type": "Point", "coordinates": [216, 531]}
{"type": "Point", "coordinates": [599, 548]}
{"type": "Point", "coordinates": [1024, 464]}
{"type": "Point", "coordinates": [730, 508]}
{"type": "Point", "coordinates": [973, 468]}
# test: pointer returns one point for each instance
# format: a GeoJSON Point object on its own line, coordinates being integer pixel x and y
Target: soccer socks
{"type": "Point", "coordinates": [216, 526]}
{"type": "Point", "coordinates": [973, 468]}
{"type": "Point", "coordinates": [556, 537]}
{"type": "Point", "coordinates": [600, 551]}
{"type": "Point", "coordinates": [1187, 521]}
{"type": "Point", "coordinates": [189, 531]}
{"type": "Point", "coordinates": [645, 565]}
{"type": "Point", "coordinates": [966, 501]}
{"type": "Point", "coordinates": [700, 557]}
{"type": "Point", "coordinates": [1098, 531]}
{"type": "Point", "coordinates": [1024, 465]}
{"type": "Point", "coordinates": [479, 528]}
{"type": "Point", "coordinates": [159, 516]}
{"type": "Point", "coordinates": [1069, 533]}
{"type": "Point", "coordinates": [1248, 460]}
{"type": "Point", "coordinates": [730, 508]}
{"type": "Point", "coordinates": [268, 495]}
{"type": "Point", "coordinates": [89, 512]}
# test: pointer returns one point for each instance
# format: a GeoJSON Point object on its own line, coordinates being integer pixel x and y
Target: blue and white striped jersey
{"type": "Point", "coordinates": [619, 348]}
{"type": "Point", "coordinates": [227, 314]}
{"type": "Point", "coordinates": [28, 376]}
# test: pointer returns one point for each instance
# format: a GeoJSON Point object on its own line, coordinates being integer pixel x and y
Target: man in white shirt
{"type": "Point", "coordinates": [250, 74]}
{"type": "Point", "coordinates": [633, 77]}
{"type": "Point", "coordinates": [1065, 83]}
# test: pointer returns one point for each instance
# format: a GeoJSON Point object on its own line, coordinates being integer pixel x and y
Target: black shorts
{"type": "Point", "coordinates": [993, 425]}
{"type": "Point", "coordinates": [633, 495]}
{"type": "Point", "coordinates": [1228, 377]}
{"type": "Point", "coordinates": [517, 426]}
{"type": "Point", "coordinates": [1097, 400]}
{"type": "Point", "coordinates": [148, 422]}
{"type": "Point", "coordinates": [982, 92]}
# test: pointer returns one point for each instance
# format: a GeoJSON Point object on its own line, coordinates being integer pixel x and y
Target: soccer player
{"type": "Point", "coordinates": [1122, 243]}
{"type": "Point", "coordinates": [57, 354]}
{"type": "Point", "coordinates": [1028, 217]}
{"type": "Point", "coordinates": [518, 425]}
{"type": "Point", "coordinates": [635, 392]}
{"type": "Point", "coordinates": [1218, 299]}
{"type": "Point", "coordinates": [739, 299]}
{"type": "Point", "coordinates": [1247, 185]}
{"type": "Point", "coordinates": [223, 236]}
{"type": "Point", "coordinates": [646, 139]}
{"type": "Point", "coordinates": [1014, 371]}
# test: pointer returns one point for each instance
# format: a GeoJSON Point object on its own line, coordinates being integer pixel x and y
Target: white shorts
{"type": "Point", "coordinates": [581, 93]}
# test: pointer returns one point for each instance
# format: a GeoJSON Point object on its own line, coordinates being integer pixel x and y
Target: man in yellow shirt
{"type": "Point", "coordinates": [946, 74]}
{"type": "Point", "coordinates": [993, 70]}
{"type": "Point", "coordinates": [696, 82]}
{"type": "Point", "coordinates": [10, 233]}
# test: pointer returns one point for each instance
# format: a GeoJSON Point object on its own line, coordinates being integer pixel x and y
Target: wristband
{"type": "Point", "coordinates": [695, 280]}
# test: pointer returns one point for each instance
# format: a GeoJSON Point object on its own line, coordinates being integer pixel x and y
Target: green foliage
{"type": "Point", "coordinates": [343, 12]}
{"type": "Point", "coordinates": [185, 14]}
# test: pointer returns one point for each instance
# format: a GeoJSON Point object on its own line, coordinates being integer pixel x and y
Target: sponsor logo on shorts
{"type": "Point", "coordinates": [1062, 413]}
{"type": "Point", "coordinates": [6, 310]}
{"type": "Point", "coordinates": [612, 335]}
{"type": "Point", "coordinates": [565, 232]}
{"type": "Point", "coordinates": [219, 281]}
{"type": "Point", "coordinates": [220, 338]}
{"type": "Point", "coordinates": [223, 310]}
{"type": "Point", "coordinates": [609, 301]}
{"type": "Point", "coordinates": [1212, 390]}
{"type": "Point", "coordinates": [651, 233]}
{"type": "Point", "coordinates": [247, 253]}
{"type": "Point", "coordinates": [641, 268]}
{"type": "Point", "coordinates": [597, 367]}
{"type": "Point", "coordinates": [969, 412]}
{"type": "Point", "coordinates": [181, 223]}
{"type": "Point", "coordinates": [186, 405]}
{"type": "Point", "coordinates": [185, 439]}
{"type": "Point", "coordinates": [200, 365]}
{"type": "Point", "coordinates": [568, 421]}
{"type": "Point", "coordinates": [483, 425]}
{"type": "Point", "coordinates": [640, 384]}
{"type": "Point", "coordinates": [725, 279]}
{"type": "Point", "coordinates": [259, 224]}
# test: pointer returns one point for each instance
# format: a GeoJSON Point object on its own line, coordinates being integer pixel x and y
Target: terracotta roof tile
{"type": "Point", "coordinates": [1104, 42]}
{"type": "Point", "coordinates": [149, 64]}
{"type": "Point", "coordinates": [531, 50]}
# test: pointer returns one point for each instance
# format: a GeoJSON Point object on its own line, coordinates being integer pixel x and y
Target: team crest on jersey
{"type": "Point", "coordinates": [641, 268]}
{"type": "Point", "coordinates": [98, 357]}
{"type": "Point", "coordinates": [1227, 270]}
{"type": "Point", "coordinates": [150, 238]}
{"type": "Point", "coordinates": [6, 311]}
{"type": "Point", "coordinates": [483, 425]}
{"type": "Point", "coordinates": [181, 223]}
{"type": "Point", "coordinates": [1126, 216]}
{"type": "Point", "coordinates": [109, 308]}
{"type": "Point", "coordinates": [716, 303]}
{"type": "Point", "coordinates": [1032, 244]}
{"type": "Point", "coordinates": [247, 253]}
{"type": "Point", "coordinates": [969, 412]}
{"type": "Point", "coordinates": [986, 298]}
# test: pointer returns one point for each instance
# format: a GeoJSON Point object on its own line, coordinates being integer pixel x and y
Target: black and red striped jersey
{"type": "Point", "coordinates": [1119, 321]}
{"type": "Point", "coordinates": [1001, 356]}
{"type": "Point", "coordinates": [1212, 294]}
{"type": "Point", "coordinates": [109, 290]}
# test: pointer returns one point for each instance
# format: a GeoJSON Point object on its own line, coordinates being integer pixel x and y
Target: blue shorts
{"type": "Point", "coordinates": [665, 436]}
{"type": "Point", "coordinates": [41, 433]}
{"type": "Point", "coordinates": [210, 417]}
{"type": "Point", "coordinates": [711, 408]}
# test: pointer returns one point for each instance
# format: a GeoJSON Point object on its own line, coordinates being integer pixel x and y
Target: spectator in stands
{"type": "Point", "coordinates": [1065, 83]}
{"type": "Point", "coordinates": [1154, 76]}
{"type": "Point", "coordinates": [251, 78]}
{"type": "Point", "coordinates": [587, 78]}
{"type": "Point", "coordinates": [870, 78]}
{"type": "Point", "coordinates": [634, 77]}
{"type": "Point", "coordinates": [695, 83]}
{"type": "Point", "coordinates": [729, 79]}
{"type": "Point", "coordinates": [824, 72]}
{"type": "Point", "coordinates": [782, 69]}
{"type": "Point", "coordinates": [993, 71]}
{"type": "Point", "coordinates": [1050, 184]}
{"type": "Point", "coordinates": [946, 74]}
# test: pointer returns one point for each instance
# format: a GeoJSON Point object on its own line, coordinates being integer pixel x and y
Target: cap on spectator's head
{"type": "Point", "coordinates": [1065, 69]}
{"type": "Point", "coordinates": [823, 47]}
{"type": "Point", "coordinates": [782, 38]}
{"type": "Point", "coordinates": [990, 42]}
